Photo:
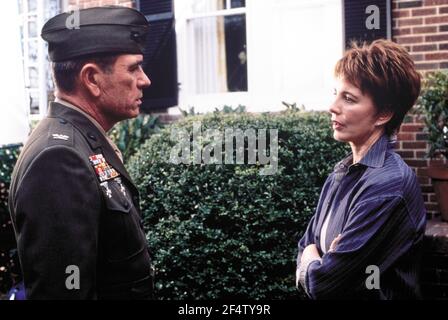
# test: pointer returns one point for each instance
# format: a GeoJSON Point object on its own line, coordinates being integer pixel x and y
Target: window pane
{"type": "Point", "coordinates": [51, 8]}
{"type": "Point", "coordinates": [32, 51]}
{"type": "Point", "coordinates": [220, 54]}
{"type": "Point", "coordinates": [34, 102]}
{"type": "Point", "coordinates": [32, 5]}
{"type": "Point", "coordinates": [34, 77]}
{"type": "Point", "coordinates": [238, 3]}
{"type": "Point", "coordinates": [32, 29]}
{"type": "Point", "coordinates": [236, 54]}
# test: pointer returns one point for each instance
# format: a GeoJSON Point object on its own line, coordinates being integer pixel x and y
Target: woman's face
{"type": "Point", "coordinates": [353, 114]}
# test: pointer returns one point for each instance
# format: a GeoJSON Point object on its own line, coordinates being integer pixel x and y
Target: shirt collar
{"type": "Point", "coordinates": [377, 153]}
{"type": "Point", "coordinates": [72, 106]}
{"type": "Point", "coordinates": [95, 123]}
{"type": "Point", "coordinates": [374, 157]}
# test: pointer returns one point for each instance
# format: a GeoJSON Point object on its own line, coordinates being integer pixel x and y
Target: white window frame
{"type": "Point", "coordinates": [186, 73]}
{"type": "Point", "coordinates": [263, 74]}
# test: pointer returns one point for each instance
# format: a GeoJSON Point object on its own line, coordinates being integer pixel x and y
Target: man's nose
{"type": "Point", "coordinates": [144, 81]}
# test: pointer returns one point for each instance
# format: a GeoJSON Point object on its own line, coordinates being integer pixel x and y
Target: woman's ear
{"type": "Point", "coordinates": [89, 77]}
{"type": "Point", "coordinates": [384, 117]}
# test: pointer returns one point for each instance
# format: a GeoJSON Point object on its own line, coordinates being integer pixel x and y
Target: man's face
{"type": "Point", "coordinates": [121, 90]}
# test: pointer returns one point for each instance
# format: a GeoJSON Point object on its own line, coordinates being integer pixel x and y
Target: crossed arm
{"type": "Point", "coordinates": [310, 253]}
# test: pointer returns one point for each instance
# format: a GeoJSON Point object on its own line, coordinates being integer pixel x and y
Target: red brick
{"type": "Point", "coordinates": [414, 145]}
{"type": "Point", "coordinates": [424, 12]}
{"type": "Point", "coordinates": [402, 32]}
{"type": "Point", "coordinates": [432, 198]}
{"type": "Point", "coordinates": [409, 4]}
{"type": "Point", "coordinates": [443, 46]}
{"type": "Point", "coordinates": [408, 40]}
{"type": "Point", "coordinates": [439, 37]}
{"type": "Point", "coordinates": [443, 28]}
{"type": "Point", "coordinates": [437, 56]}
{"type": "Point", "coordinates": [427, 189]}
{"type": "Point", "coordinates": [408, 127]}
{"type": "Point", "coordinates": [401, 14]}
{"type": "Point", "coordinates": [443, 10]}
{"type": "Point", "coordinates": [423, 181]}
{"type": "Point", "coordinates": [422, 172]}
{"type": "Point", "coordinates": [420, 154]}
{"type": "Point", "coordinates": [417, 163]}
{"type": "Point", "coordinates": [433, 162]}
{"type": "Point", "coordinates": [437, 19]}
{"type": "Point", "coordinates": [409, 22]}
{"type": "Point", "coordinates": [417, 57]}
{"type": "Point", "coordinates": [435, 2]}
{"type": "Point", "coordinates": [432, 206]}
{"type": "Point", "coordinates": [421, 137]}
{"type": "Point", "coordinates": [427, 66]}
{"type": "Point", "coordinates": [406, 154]}
{"type": "Point", "coordinates": [406, 136]}
{"type": "Point", "coordinates": [424, 47]}
{"type": "Point", "coordinates": [418, 30]}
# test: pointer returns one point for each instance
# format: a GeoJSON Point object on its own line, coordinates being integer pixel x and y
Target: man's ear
{"type": "Point", "coordinates": [384, 117]}
{"type": "Point", "coordinates": [89, 77]}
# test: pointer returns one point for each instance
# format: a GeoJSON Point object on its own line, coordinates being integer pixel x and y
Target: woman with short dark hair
{"type": "Point", "coordinates": [365, 240]}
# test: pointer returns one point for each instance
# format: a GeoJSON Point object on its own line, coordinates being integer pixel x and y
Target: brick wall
{"type": "Point", "coordinates": [412, 147]}
{"type": "Point", "coordinates": [422, 27]}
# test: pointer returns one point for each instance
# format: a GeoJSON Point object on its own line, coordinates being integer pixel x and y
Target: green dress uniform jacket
{"type": "Point", "coordinates": [76, 213]}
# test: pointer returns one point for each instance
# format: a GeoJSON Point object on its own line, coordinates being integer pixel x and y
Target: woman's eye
{"type": "Point", "coordinates": [348, 99]}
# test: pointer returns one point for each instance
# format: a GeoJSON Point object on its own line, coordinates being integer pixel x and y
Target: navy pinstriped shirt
{"type": "Point", "coordinates": [377, 207]}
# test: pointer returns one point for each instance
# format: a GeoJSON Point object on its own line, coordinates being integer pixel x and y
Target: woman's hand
{"type": "Point", "coordinates": [310, 253]}
{"type": "Point", "coordinates": [334, 243]}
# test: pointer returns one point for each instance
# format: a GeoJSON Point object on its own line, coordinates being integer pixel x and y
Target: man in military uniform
{"type": "Point", "coordinates": [74, 207]}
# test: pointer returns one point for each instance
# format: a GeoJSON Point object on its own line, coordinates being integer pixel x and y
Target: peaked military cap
{"type": "Point", "coordinates": [96, 30]}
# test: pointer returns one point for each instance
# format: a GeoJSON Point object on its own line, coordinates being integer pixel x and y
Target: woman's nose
{"type": "Point", "coordinates": [334, 108]}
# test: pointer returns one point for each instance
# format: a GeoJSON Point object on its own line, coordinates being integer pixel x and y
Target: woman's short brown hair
{"type": "Point", "coordinates": [386, 72]}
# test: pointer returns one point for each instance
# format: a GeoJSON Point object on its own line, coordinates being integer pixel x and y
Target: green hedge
{"type": "Point", "coordinates": [130, 134]}
{"type": "Point", "coordinates": [9, 269]}
{"type": "Point", "coordinates": [225, 231]}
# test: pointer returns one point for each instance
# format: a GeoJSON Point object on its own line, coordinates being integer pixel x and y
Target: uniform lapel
{"type": "Point", "coordinates": [114, 160]}
{"type": "Point", "coordinates": [94, 137]}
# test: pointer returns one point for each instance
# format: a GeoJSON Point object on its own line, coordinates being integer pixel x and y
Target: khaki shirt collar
{"type": "Point", "coordinates": [97, 125]}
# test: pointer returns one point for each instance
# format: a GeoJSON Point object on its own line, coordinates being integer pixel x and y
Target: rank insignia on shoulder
{"type": "Point", "coordinates": [103, 170]}
{"type": "Point", "coordinates": [57, 136]}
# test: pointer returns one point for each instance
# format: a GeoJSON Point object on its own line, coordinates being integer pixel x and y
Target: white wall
{"type": "Point", "coordinates": [292, 46]}
{"type": "Point", "coordinates": [14, 125]}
